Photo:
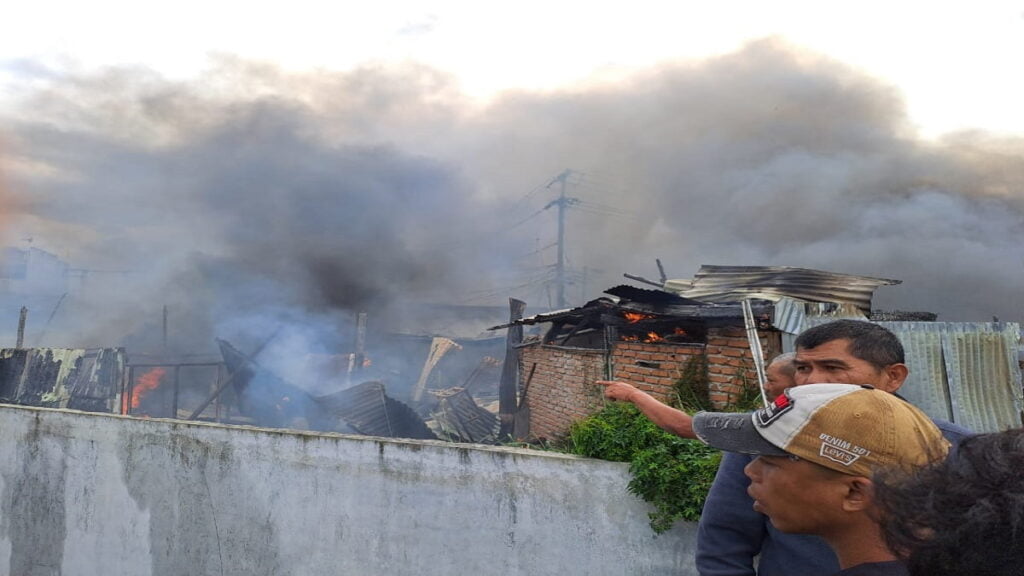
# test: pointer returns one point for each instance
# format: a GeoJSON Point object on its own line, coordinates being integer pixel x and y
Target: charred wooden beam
{"type": "Point", "coordinates": [509, 383]}
{"type": "Point", "coordinates": [574, 331]}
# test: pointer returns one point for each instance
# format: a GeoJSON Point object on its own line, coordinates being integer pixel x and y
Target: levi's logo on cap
{"type": "Point", "coordinates": [782, 404]}
{"type": "Point", "coordinates": [839, 450]}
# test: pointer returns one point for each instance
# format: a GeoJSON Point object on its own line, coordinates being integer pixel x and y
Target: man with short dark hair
{"type": "Point", "coordinates": [733, 539]}
{"type": "Point", "coordinates": [816, 448]}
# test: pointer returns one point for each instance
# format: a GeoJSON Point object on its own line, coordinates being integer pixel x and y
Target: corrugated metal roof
{"type": "Point", "coordinates": [602, 305]}
{"type": "Point", "coordinates": [368, 410]}
{"type": "Point", "coordinates": [80, 379]}
{"type": "Point", "coordinates": [791, 315]}
{"type": "Point", "coordinates": [736, 283]}
{"type": "Point", "coordinates": [263, 396]}
{"type": "Point", "coordinates": [273, 402]}
{"type": "Point", "coordinates": [461, 418]}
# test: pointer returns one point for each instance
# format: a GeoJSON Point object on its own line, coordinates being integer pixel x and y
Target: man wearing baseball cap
{"type": "Point", "coordinates": [817, 447]}
{"type": "Point", "coordinates": [735, 540]}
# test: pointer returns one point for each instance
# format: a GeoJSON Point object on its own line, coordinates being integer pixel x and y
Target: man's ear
{"type": "Point", "coordinates": [860, 494]}
{"type": "Point", "coordinates": [895, 375]}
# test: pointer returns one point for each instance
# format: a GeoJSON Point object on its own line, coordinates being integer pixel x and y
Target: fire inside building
{"type": "Point", "coordinates": [506, 386]}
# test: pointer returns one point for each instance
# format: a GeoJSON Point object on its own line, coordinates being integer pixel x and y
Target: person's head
{"type": "Point", "coordinates": [964, 515]}
{"type": "Point", "coordinates": [780, 374]}
{"type": "Point", "coordinates": [850, 352]}
{"type": "Point", "coordinates": [818, 447]}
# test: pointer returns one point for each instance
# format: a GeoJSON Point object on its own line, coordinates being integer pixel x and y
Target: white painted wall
{"type": "Point", "coordinates": [91, 494]}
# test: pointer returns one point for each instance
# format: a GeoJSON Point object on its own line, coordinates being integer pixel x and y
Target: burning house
{"type": "Point", "coordinates": [392, 383]}
{"type": "Point", "coordinates": [647, 336]}
{"type": "Point", "coordinates": [462, 386]}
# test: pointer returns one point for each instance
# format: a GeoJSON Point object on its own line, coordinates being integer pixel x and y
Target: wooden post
{"type": "Point", "coordinates": [360, 342]}
{"type": "Point", "coordinates": [21, 327]}
{"type": "Point", "coordinates": [611, 337]}
{"type": "Point", "coordinates": [508, 387]}
{"type": "Point", "coordinates": [131, 390]}
{"type": "Point", "coordinates": [177, 384]}
{"type": "Point", "coordinates": [216, 385]}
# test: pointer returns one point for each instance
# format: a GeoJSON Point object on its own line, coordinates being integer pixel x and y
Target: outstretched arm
{"type": "Point", "coordinates": [666, 417]}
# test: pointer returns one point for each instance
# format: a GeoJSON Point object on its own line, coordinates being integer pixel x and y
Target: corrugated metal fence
{"type": "Point", "coordinates": [965, 372]}
{"type": "Point", "coordinates": [962, 372]}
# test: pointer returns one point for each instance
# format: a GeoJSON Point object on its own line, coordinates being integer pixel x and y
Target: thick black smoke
{"type": "Point", "coordinates": [256, 198]}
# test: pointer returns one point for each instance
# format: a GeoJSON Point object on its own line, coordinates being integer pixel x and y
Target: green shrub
{"type": "Point", "coordinates": [691, 390]}
{"type": "Point", "coordinates": [615, 433]}
{"type": "Point", "coordinates": [670, 473]}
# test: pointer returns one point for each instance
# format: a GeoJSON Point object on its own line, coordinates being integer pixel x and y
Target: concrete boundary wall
{"type": "Point", "coordinates": [88, 494]}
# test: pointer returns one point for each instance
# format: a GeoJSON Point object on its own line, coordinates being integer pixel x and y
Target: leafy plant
{"type": "Point", "coordinates": [675, 478]}
{"type": "Point", "coordinates": [670, 473]}
{"type": "Point", "coordinates": [691, 389]}
{"type": "Point", "coordinates": [615, 433]}
{"type": "Point", "coordinates": [749, 398]}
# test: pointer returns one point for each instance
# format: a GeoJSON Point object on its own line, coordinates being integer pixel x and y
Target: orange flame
{"type": "Point", "coordinates": [634, 317]}
{"type": "Point", "coordinates": [143, 384]}
{"type": "Point", "coordinates": [653, 336]}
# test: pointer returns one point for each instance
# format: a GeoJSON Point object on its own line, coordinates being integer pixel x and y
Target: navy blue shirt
{"type": "Point", "coordinates": [731, 534]}
{"type": "Point", "coordinates": [892, 568]}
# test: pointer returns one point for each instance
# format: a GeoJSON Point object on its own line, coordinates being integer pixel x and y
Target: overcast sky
{"type": "Point", "coordinates": [957, 64]}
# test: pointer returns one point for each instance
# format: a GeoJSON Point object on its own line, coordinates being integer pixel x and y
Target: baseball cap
{"type": "Point", "coordinates": [844, 427]}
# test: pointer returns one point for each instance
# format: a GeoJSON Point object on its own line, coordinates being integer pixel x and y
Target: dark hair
{"type": "Point", "coordinates": [869, 342]}
{"type": "Point", "coordinates": [964, 515]}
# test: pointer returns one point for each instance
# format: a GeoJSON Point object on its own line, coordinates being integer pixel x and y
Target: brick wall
{"type": "Point", "coordinates": [561, 390]}
{"type": "Point", "coordinates": [653, 368]}
{"type": "Point", "coordinates": [731, 363]}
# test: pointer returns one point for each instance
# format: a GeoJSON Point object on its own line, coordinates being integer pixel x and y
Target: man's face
{"type": "Point", "coordinates": [777, 379]}
{"type": "Point", "coordinates": [833, 363]}
{"type": "Point", "coordinates": [797, 496]}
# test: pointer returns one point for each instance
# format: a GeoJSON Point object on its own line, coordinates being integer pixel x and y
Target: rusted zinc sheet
{"type": "Point", "coordinates": [461, 419]}
{"type": "Point", "coordinates": [80, 379]}
{"type": "Point", "coordinates": [720, 284]}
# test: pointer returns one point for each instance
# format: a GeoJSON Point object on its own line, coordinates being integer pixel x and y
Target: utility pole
{"type": "Point", "coordinates": [21, 327]}
{"type": "Point", "coordinates": [562, 202]}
